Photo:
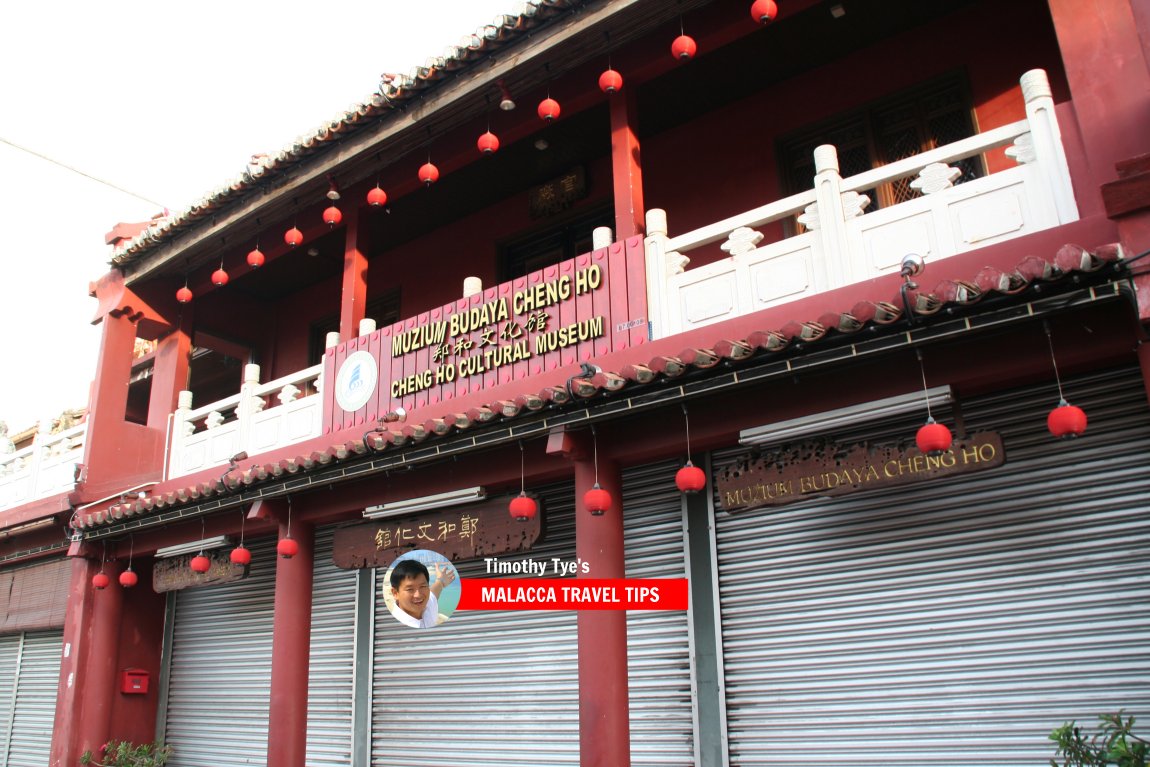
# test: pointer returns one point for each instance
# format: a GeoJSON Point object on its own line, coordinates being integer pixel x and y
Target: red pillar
{"type": "Point", "coordinates": [626, 168]}
{"type": "Point", "coordinates": [1107, 70]}
{"type": "Point", "coordinates": [291, 651]}
{"type": "Point", "coordinates": [169, 376]}
{"type": "Point", "coordinates": [87, 688]}
{"type": "Point", "coordinates": [354, 297]}
{"type": "Point", "coordinates": [604, 716]}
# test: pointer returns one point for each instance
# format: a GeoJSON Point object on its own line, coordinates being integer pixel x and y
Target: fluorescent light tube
{"type": "Point", "coordinates": [437, 501]}
{"type": "Point", "coordinates": [194, 547]}
{"type": "Point", "coordinates": [821, 423]}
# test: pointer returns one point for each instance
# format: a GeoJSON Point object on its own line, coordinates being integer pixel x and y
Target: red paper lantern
{"type": "Point", "coordinates": [764, 11]}
{"type": "Point", "coordinates": [101, 580]}
{"type": "Point", "coordinates": [428, 173]}
{"type": "Point", "coordinates": [933, 438]}
{"type": "Point", "coordinates": [690, 478]}
{"type": "Point", "coordinates": [488, 143]}
{"type": "Point", "coordinates": [332, 215]}
{"type": "Point", "coordinates": [597, 500]}
{"type": "Point", "coordinates": [1066, 421]}
{"type": "Point", "coordinates": [184, 295]}
{"type": "Point", "coordinates": [219, 277]}
{"type": "Point", "coordinates": [684, 48]}
{"type": "Point", "coordinates": [201, 564]}
{"type": "Point", "coordinates": [255, 258]}
{"type": "Point", "coordinates": [376, 197]}
{"type": "Point", "coordinates": [548, 109]}
{"type": "Point", "coordinates": [241, 555]}
{"type": "Point", "coordinates": [128, 578]}
{"type": "Point", "coordinates": [610, 82]}
{"type": "Point", "coordinates": [293, 237]}
{"type": "Point", "coordinates": [287, 548]}
{"type": "Point", "coordinates": [523, 508]}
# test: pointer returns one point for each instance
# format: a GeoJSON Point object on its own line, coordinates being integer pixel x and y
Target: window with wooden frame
{"type": "Point", "coordinates": [925, 117]}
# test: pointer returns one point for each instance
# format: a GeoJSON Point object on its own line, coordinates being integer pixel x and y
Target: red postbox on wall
{"type": "Point", "coordinates": [134, 681]}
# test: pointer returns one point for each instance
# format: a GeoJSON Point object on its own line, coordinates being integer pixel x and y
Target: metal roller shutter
{"type": "Point", "coordinates": [9, 671]}
{"type": "Point", "coordinates": [219, 678]}
{"type": "Point", "coordinates": [486, 688]}
{"type": "Point", "coordinates": [34, 700]}
{"type": "Point", "coordinates": [953, 622]}
{"type": "Point", "coordinates": [332, 666]}
{"type": "Point", "coordinates": [658, 650]}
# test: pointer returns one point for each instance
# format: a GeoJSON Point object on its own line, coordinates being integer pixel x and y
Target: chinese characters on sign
{"type": "Point", "coordinates": [558, 194]}
{"type": "Point", "coordinates": [813, 470]}
{"type": "Point", "coordinates": [478, 530]}
{"type": "Point", "coordinates": [502, 331]}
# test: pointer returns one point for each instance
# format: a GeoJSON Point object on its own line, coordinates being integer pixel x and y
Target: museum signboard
{"type": "Point", "coordinates": [559, 316]}
{"type": "Point", "coordinates": [823, 469]}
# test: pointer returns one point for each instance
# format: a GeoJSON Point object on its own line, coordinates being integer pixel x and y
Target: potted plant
{"type": "Point", "coordinates": [122, 753]}
{"type": "Point", "coordinates": [1114, 743]}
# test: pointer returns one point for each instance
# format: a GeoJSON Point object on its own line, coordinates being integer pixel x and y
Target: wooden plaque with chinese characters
{"type": "Point", "coordinates": [176, 573]}
{"type": "Point", "coordinates": [464, 532]}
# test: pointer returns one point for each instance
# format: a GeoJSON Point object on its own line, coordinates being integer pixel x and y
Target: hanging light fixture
{"type": "Point", "coordinates": [128, 578]}
{"type": "Point", "coordinates": [376, 197]}
{"type": "Point", "coordinates": [610, 81]}
{"type": "Point", "coordinates": [1065, 421]}
{"type": "Point", "coordinates": [293, 236]}
{"type": "Point", "coordinates": [932, 438]}
{"type": "Point", "coordinates": [287, 546]}
{"type": "Point", "coordinates": [506, 103]}
{"type": "Point", "coordinates": [683, 48]}
{"type": "Point", "coordinates": [764, 11]}
{"type": "Point", "coordinates": [256, 257]}
{"type": "Point", "coordinates": [332, 189]}
{"type": "Point", "coordinates": [219, 276]}
{"type": "Point", "coordinates": [548, 110]}
{"type": "Point", "coordinates": [184, 294]}
{"type": "Point", "coordinates": [332, 216]}
{"type": "Point", "coordinates": [523, 507]}
{"type": "Point", "coordinates": [690, 479]}
{"type": "Point", "coordinates": [596, 500]}
{"type": "Point", "coordinates": [428, 173]}
{"type": "Point", "coordinates": [488, 142]}
{"type": "Point", "coordinates": [200, 562]}
{"type": "Point", "coordinates": [241, 555]}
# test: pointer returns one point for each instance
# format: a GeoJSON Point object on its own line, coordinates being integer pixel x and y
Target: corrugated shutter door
{"type": "Point", "coordinates": [488, 687]}
{"type": "Point", "coordinates": [220, 672]}
{"type": "Point", "coordinates": [9, 669]}
{"type": "Point", "coordinates": [330, 681]}
{"type": "Point", "coordinates": [954, 622]}
{"type": "Point", "coordinates": [658, 650]}
{"type": "Point", "coordinates": [35, 700]}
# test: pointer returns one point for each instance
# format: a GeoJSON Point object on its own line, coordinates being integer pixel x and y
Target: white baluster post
{"type": "Point", "coordinates": [834, 262]}
{"type": "Point", "coordinates": [248, 407]}
{"type": "Point", "coordinates": [1047, 142]}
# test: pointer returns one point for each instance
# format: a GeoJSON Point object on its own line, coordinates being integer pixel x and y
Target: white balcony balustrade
{"type": "Point", "coordinates": [843, 244]}
{"type": "Point", "coordinates": [45, 468]}
{"type": "Point", "coordinates": [261, 417]}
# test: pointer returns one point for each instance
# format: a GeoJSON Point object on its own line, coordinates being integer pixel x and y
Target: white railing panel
{"type": "Point", "coordinates": [47, 467]}
{"type": "Point", "coordinates": [261, 418]}
{"type": "Point", "coordinates": [845, 244]}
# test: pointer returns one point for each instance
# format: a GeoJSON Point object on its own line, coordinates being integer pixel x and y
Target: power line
{"type": "Point", "coordinates": [65, 166]}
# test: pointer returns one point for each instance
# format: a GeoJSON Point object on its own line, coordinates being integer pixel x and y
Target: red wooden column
{"type": "Point", "coordinates": [169, 374]}
{"type": "Point", "coordinates": [1107, 69]}
{"type": "Point", "coordinates": [100, 648]}
{"type": "Point", "coordinates": [626, 169]}
{"type": "Point", "coordinates": [604, 715]}
{"type": "Point", "coordinates": [291, 651]}
{"type": "Point", "coordinates": [353, 299]}
{"type": "Point", "coordinates": [68, 730]}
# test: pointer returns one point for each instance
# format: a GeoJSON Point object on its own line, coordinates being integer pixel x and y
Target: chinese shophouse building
{"type": "Point", "coordinates": [843, 220]}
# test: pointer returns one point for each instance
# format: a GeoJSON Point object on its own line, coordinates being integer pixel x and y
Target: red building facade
{"type": "Point", "coordinates": [774, 259]}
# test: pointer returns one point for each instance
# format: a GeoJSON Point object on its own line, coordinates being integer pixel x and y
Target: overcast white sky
{"type": "Point", "coordinates": [166, 100]}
